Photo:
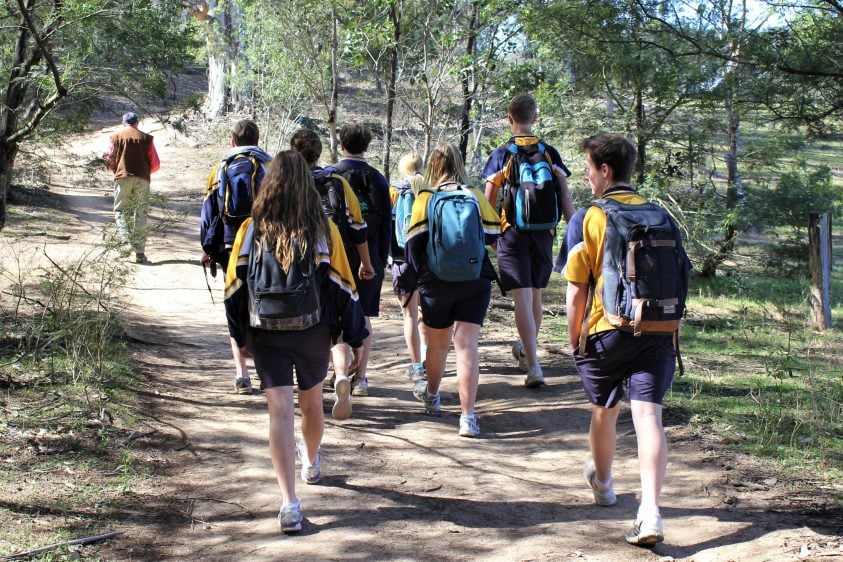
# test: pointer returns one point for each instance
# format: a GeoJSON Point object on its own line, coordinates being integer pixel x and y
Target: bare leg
{"type": "Point", "coordinates": [239, 361]}
{"type": "Point", "coordinates": [652, 451]}
{"type": "Point", "coordinates": [412, 326]}
{"type": "Point", "coordinates": [466, 337]}
{"type": "Point", "coordinates": [438, 344]}
{"type": "Point", "coordinates": [364, 355]}
{"type": "Point", "coordinates": [339, 357]}
{"type": "Point", "coordinates": [526, 323]}
{"type": "Point", "coordinates": [282, 441]}
{"type": "Point", "coordinates": [602, 436]}
{"type": "Point", "coordinates": [312, 419]}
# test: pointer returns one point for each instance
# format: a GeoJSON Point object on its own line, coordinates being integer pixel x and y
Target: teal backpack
{"type": "Point", "coordinates": [403, 210]}
{"type": "Point", "coordinates": [455, 246]}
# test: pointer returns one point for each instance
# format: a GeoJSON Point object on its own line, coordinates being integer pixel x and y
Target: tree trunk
{"type": "Point", "coordinates": [218, 44]}
{"type": "Point", "coordinates": [467, 79]}
{"type": "Point", "coordinates": [335, 85]}
{"type": "Point", "coordinates": [641, 136]}
{"type": "Point", "coordinates": [395, 18]}
{"type": "Point", "coordinates": [7, 163]}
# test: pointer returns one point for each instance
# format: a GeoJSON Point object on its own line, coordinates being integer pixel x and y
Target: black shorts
{"type": "Point", "coordinates": [399, 269]}
{"type": "Point", "coordinates": [443, 303]}
{"type": "Point", "coordinates": [525, 259]}
{"type": "Point", "coordinates": [613, 357]}
{"type": "Point", "coordinates": [276, 353]}
{"type": "Point", "coordinates": [369, 291]}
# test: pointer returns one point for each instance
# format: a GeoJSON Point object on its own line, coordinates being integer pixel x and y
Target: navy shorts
{"type": "Point", "coordinates": [276, 353]}
{"type": "Point", "coordinates": [614, 357]}
{"type": "Point", "coordinates": [398, 271]}
{"type": "Point", "coordinates": [369, 291]}
{"type": "Point", "coordinates": [525, 259]}
{"type": "Point", "coordinates": [443, 303]}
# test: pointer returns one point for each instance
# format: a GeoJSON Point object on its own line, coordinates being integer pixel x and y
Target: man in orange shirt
{"type": "Point", "coordinates": [132, 158]}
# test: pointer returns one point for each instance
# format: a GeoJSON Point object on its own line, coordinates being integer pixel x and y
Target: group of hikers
{"type": "Point", "coordinates": [305, 249]}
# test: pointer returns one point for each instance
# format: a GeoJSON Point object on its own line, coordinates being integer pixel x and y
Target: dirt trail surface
{"type": "Point", "coordinates": [396, 484]}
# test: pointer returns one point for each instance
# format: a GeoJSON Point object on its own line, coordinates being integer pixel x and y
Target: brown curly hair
{"type": "Point", "coordinates": [289, 208]}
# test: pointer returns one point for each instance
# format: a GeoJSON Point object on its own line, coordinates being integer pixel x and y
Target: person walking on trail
{"type": "Point", "coordinates": [291, 256]}
{"type": "Point", "coordinates": [341, 205]}
{"type": "Point", "coordinates": [525, 247]}
{"type": "Point", "coordinates": [402, 195]}
{"type": "Point", "coordinates": [372, 192]}
{"type": "Point", "coordinates": [607, 358]}
{"type": "Point", "coordinates": [446, 258]}
{"type": "Point", "coordinates": [132, 158]}
{"type": "Point", "coordinates": [230, 191]}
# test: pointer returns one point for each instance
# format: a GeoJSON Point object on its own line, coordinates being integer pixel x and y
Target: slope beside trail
{"type": "Point", "coordinates": [396, 484]}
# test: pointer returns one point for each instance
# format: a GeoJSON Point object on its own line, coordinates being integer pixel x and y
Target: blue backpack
{"type": "Point", "coordinates": [530, 198]}
{"type": "Point", "coordinates": [403, 210]}
{"type": "Point", "coordinates": [455, 246]}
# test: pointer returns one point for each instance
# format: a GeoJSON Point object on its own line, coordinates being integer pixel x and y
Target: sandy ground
{"type": "Point", "coordinates": [396, 484]}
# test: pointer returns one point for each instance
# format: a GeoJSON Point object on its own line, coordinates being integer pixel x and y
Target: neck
{"type": "Point", "coordinates": [347, 154]}
{"type": "Point", "coordinates": [518, 129]}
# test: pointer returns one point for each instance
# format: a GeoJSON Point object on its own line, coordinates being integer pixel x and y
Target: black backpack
{"type": "Point", "coordinates": [332, 192]}
{"type": "Point", "coordinates": [645, 268]}
{"type": "Point", "coordinates": [241, 178]}
{"type": "Point", "coordinates": [278, 299]}
{"type": "Point", "coordinates": [530, 196]}
{"type": "Point", "coordinates": [362, 182]}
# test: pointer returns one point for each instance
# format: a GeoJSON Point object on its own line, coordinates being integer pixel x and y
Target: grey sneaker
{"type": "Point", "coordinates": [289, 518]}
{"type": "Point", "coordinates": [360, 387]}
{"type": "Point", "coordinates": [432, 403]}
{"type": "Point", "coordinates": [518, 354]}
{"type": "Point", "coordinates": [415, 375]}
{"type": "Point", "coordinates": [602, 498]}
{"type": "Point", "coordinates": [468, 426]}
{"type": "Point", "coordinates": [243, 385]}
{"type": "Point", "coordinates": [342, 399]}
{"type": "Point", "coordinates": [646, 531]}
{"type": "Point", "coordinates": [535, 377]}
{"type": "Point", "coordinates": [310, 472]}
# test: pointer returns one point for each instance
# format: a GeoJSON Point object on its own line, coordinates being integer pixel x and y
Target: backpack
{"type": "Point", "coordinates": [403, 210]}
{"type": "Point", "coordinates": [362, 183]}
{"type": "Point", "coordinates": [241, 176]}
{"type": "Point", "coordinates": [331, 190]}
{"type": "Point", "coordinates": [455, 246]}
{"type": "Point", "coordinates": [278, 299]}
{"type": "Point", "coordinates": [530, 197]}
{"type": "Point", "coordinates": [645, 268]}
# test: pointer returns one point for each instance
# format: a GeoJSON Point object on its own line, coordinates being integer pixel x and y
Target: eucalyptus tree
{"type": "Point", "coordinates": [57, 57]}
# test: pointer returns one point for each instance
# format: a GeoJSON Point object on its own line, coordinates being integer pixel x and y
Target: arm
{"type": "Point", "coordinates": [154, 161]}
{"type": "Point", "coordinates": [492, 194]}
{"type": "Point", "coordinates": [385, 238]}
{"type": "Point", "coordinates": [366, 270]}
{"type": "Point", "coordinates": [564, 195]}
{"type": "Point", "coordinates": [108, 157]}
{"type": "Point", "coordinates": [575, 304]}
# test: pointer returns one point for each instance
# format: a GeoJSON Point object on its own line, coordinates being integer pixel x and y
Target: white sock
{"type": "Point", "coordinates": [648, 511]}
{"type": "Point", "coordinates": [423, 351]}
{"type": "Point", "coordinates": [296, 503]}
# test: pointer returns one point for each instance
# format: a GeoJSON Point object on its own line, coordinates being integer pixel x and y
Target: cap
{"type": "Point", "coordinates": [130, 118]}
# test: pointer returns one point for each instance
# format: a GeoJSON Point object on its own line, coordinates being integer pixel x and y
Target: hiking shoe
{"type": "Point", "coordinates": [432, 403]}
{"type": "Point", "coordinates": [310, 472]}
{"type": "Point", "coordinates": [518, 354]}
{"type": "Point", "coordinates": [603, 498]}
{"type": "Point", "coordinates": [468, 426]}
{"type": "Point", "coordinates": [243, 385]}
{"type": "Point", "coordinates": [646, 531]}
{"type": "Point", "coordinates": [342, 399]}
{"type": "Point", "coordinates": [535, 377]}
{"type": "Point", "coordinates": [289, 518]}
{"type": "Point", "coordinates": [140, 257]}
{"type": "Point", "coordinates": [414, 374]}
{"type": "Point", "coordinates": [360, 387]}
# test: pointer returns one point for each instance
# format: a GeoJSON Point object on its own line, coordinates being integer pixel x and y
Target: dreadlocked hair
{"type": "Point", "coordinates": [288, 208]}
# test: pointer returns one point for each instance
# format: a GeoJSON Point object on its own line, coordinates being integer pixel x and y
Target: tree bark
{"type": "Point", "coordinates": [819, 243]}
{"type": "Point", "coordinates": [467, 79]}
{"type": "Point", "coordinates": [335, 86]}
{"type": "Point", "coordinates": [641, 137]}
{"type": "Point", "coordinates": [395, 18]}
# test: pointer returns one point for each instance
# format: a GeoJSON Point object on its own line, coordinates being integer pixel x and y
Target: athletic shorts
{"type": "Point", "coordinates": [613, 358]}
{"type": "Point", "coordinates": [369, 291]}
{"type": "Point", "coordinates": [398, 271]}
{"type": "Point", "coordinates": [525, 259]}
{"type": "Point", "coordinates": [276, 353]}
{"type": "Point", "coordinates": [444, 303]}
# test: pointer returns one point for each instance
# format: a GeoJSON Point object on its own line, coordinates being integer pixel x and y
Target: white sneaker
{"type": "Point", "coordinates": [360, 387]}
{"type": "Point", "coordinates": [289, 518]}
{"type": "Point", "coordinates": [468, 426]}
{"type": "Point", "coordinates": [415, 374]}
{"type": "Point", "coordinates": [342, 399]}
{"type": "Point", "coordinates": [603, 498]}
{"type": "Point", "coordinates": [310, 472]}
{"type": "Point", "coordinates": [535, 377]}
{"type": "Point", "coordinates": [646, 531]}
{"type": "Point", "coordinates": [518, 354]}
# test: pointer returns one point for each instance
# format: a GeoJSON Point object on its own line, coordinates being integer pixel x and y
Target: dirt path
{"type": "Point", "coordinates": [396, 483]}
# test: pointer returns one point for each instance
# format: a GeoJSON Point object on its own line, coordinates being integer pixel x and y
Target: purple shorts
{"type": "Point", "coordinates": [525, 259]}
{"type": "Point", "coordinates": [276, 353]}
{"type": "Point", "coordinates": [613, 357]}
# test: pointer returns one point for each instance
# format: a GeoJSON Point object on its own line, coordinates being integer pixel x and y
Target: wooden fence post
{"type": "Point", "coordinates": [819, 242]}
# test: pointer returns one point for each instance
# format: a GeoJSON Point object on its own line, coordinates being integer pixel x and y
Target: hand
{"type": "Point", "coordinates": [205, 259]}
{"type": "Point", "coordinates": [246, 352]}
{"type": "Point", "coordinates": [366, 271]}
